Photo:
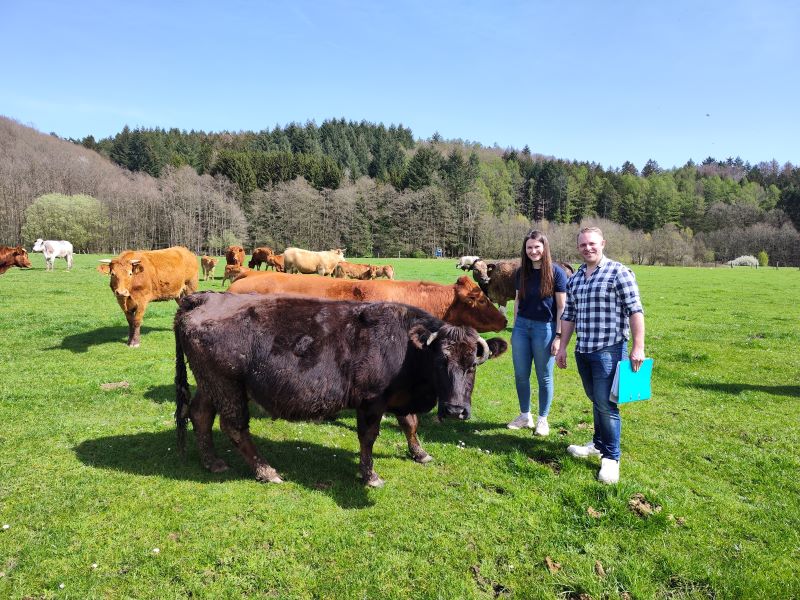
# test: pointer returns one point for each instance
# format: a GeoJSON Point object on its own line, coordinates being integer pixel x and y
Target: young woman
{"type": "Point", "coordinates": [541, 291]}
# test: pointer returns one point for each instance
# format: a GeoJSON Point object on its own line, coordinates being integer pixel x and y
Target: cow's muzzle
{"type": "Point", "coordinates": [122, 293]}
{"type": "Point", "coordinates": [461, 413]}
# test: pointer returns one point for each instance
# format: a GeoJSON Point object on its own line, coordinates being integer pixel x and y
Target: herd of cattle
{"type": "Point", "coordinates": [309, 338]}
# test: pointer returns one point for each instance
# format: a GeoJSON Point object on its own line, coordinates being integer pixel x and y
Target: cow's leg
{"type": "Point", "coordinates": [234, 417]}
{"type": "Point", "coordinates": [69, 262]}
{"type": "Point", "coordinates": [135, 317]}
{"type": "Point", "coordinates": [409, 424]}
{"type": "Point", "coordinates": [202, 413]}
{"type": "Point", "coordinates": [368, 429]}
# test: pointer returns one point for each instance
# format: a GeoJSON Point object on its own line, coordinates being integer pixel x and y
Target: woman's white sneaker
{"type": "Point", "coordinates": [542, 427]}
{"type": "Point", "coordinates": [584, 451]}
{"type": "Point", "coordinates": [521, 421]}
{"type": "Point", "coordinates": [609, 471]}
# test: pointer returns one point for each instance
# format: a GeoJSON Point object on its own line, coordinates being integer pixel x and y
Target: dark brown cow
{"type": "Point", "coordinates": [13, 257]}
{"type": "Point", "coordinates": [139, 277]}
{"type": "Point", "coordinates": [346, 270]}
{"type": "Point", "coordinates": [462, 303]}
{"type": "Point", "coordinates": [234, 255]}
{"type": "Point", "coordinates": [208, 264]}
{"type": "Point", "coordinates": [374, 357]}
{"type": "Point", "coordinates": [260, 256]}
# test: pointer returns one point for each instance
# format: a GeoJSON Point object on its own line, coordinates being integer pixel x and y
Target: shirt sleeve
{"type": "Point", "coordinates": [628, 291]}
{"type": "Point", "coordinates": [569, 306]}
{"type": "Point", "coordinates": [559, 279]}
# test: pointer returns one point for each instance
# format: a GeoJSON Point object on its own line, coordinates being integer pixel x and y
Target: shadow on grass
{"type": "Point", "coordinates": [331, 471]}
{"type": "Point", "coordinates": [738, 388]}
{"type": "Point", "coordinates": [81, 342]}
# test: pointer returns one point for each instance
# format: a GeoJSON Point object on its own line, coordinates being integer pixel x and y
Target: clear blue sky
{"type": "Point", "coordinates": [588, 80]}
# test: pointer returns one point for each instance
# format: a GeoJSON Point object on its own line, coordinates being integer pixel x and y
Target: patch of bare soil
{"type": "Point", "coordinates": [639, 504]}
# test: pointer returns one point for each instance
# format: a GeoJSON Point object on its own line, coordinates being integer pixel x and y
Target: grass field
{"type": "Point", "coordinates": [98, 504]}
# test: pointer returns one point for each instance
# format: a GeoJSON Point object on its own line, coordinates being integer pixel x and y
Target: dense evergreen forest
{"type": "Point", "coordinates": [379, 192]}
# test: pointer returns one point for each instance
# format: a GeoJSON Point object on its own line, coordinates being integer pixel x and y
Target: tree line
{"type": "Point", "coordinates": [377, 192]}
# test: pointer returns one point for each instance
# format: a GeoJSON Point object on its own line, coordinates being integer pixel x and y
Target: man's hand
{"type": "Point", "coordinates": [561, 358]}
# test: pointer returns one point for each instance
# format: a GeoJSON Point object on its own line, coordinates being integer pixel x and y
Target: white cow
{"type": "Point", "coordinates": [297, 260]}
{"type": "Point", "coordinates": [52, 250]}
{"type": "Point", "coordinates": [465, 262]}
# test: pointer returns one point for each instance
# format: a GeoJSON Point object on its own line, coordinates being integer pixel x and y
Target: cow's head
{"type": "Point", "coordinates": [374, 271]}
{"type": "Point", "coordinates": [339, 251]}
{"type": "Point", "coordinates": [122, 272]}
{"type": "Point", "coordinates": [388, 271]}
{"type": "Point", "coordinates": [38, 245]}
{"type": "Point", "coordinates": [472, 308]}
{"type": "Point", "coordinates": [456, 353]}
{"type": "Point", "coordinates": [21, 259]}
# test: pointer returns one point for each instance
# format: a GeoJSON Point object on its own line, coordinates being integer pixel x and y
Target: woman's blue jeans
{"type": "Point", "coordinates": [597, 373]}
{"type": "Point", "coordinates": [530, 345]}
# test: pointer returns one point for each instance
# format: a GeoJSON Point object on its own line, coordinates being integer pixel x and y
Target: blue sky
{"type": "Point", "coordinates": [586, 80]}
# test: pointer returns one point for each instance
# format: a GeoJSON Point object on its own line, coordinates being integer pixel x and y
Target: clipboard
{"type": "Point", "coordinates": [629, 386]}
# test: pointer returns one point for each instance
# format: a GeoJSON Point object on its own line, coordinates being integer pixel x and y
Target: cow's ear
{"type": "Point", "coordinates": [104, 268]}
{"type": "Point", "coordinates": [420, 336]}
{"type": "Point", "coordinates": [490, 267]}
{"type": "Point", "coordinates": [137, 268]}
{"type": "Point", "coordinates": [497, 346]}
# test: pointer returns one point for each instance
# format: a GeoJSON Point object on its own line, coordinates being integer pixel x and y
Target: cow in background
{"type": "Point", "coordinates": [260, 256]}
{"type": "Point", "coordinates": [498, 278]}
{"type": "Point", "coordinates": [234, 272]}
{"type": "Point", "coordinates": [385, 271]}
{"type": "Point", "coordinates": [276, 262]}
{"type": "Point", "coordinates": [13, 257]}
{"type": "Point", "coordinates": [208, 264]}
{"type": "Point", "coordinates": [465, 262]}
{"type": "Point", "coordinates": [234, 255]}
{"type": "Point", "coordinates": [52, 250]}
{"type": "Point", "coordinates": [374, 357]}
{"type": "Point", "coordinates": [139, 277]}
{"type": "Point", "coordinates": [297, 260]}
{"type": "Point", "coordinates": [346, 270]}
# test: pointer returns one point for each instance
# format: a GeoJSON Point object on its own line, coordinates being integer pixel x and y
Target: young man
{"type": "Point", "coordinates": [603, 306]}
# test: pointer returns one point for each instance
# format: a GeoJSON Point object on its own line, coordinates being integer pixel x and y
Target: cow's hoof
{"type": "Point", "coordinates": [133, 344]}
{"type": "Point", "coordinates": [268, 475]}
{"type": "Point", "coordinates": [375, 482]}
{"type": "Point", "coordinates": [422, 458]}
{"type": "Point", "coordinates": [217, 466]}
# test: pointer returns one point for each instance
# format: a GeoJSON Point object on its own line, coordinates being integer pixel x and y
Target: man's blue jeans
{"type": "Point", "coordinates": [530, 343]}
{"type": "Point", "coordinates": [597, 373]}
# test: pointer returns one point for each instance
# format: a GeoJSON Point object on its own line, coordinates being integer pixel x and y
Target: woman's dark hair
{"type": "Point", "coordinates": [526, 266]}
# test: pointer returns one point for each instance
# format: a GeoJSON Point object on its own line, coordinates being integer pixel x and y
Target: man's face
{"type": "Point", "coordinates": [590, 245]}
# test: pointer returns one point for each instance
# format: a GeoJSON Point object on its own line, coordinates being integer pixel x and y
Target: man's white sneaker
{"type": "Point", "coordinates": [609, 471]}
{"type": "Point", "coordinates": [584, 451]}
{"type": "Point", "coordinates": [542, 427]}
{"type": "Point", "coordinates": [521, 421]}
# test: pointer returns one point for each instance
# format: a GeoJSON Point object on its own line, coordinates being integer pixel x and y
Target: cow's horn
{"type": "Point", "coordinates": [486, 352]}
{"type": "Point", "coordinates": [431, 338]}
{"type": "Point", "coordinates": [106, 261]}
{"type": "Point", "coordinates": [136, 261]}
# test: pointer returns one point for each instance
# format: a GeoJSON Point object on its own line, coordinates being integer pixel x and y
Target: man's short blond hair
{"type": "Point", "coordinates": [596, 230]}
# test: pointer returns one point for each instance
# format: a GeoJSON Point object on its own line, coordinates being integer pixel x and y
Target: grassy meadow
{"type": "Point", "coordinates": [96, 503]}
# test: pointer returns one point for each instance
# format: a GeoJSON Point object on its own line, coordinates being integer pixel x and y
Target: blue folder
{"type": "Point", "coordinates": [634, 386]}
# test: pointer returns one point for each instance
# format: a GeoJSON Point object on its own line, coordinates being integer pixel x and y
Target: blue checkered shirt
{"type": "Point", "coordinates": [601, 306]}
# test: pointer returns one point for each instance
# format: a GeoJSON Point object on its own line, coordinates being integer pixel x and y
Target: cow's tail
{"type": "Point", "coordinates": [182, 394]}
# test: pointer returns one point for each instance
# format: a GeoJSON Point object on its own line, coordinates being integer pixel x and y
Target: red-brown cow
{"type": "Point", "coordinates": [234, 272]}
{"type": "Point", "coordinates": [276, 262]}
{"type": "Point", "coordinates": [462, 303]}
{"type": "Point", "coordinates": [234, 255]}
{"type": "Point", "coordinates": [208, 264]}
{"type": "Point", "coordinates": [139, 277]}
{"type": "Point", "coordinates": [13, 257]}
{"type": "Point", "coordinates": [346, 270]}
{"type": "Point", "coordinates": [260, 256]}
{"type": "Point", "coordinates": [385, 271]}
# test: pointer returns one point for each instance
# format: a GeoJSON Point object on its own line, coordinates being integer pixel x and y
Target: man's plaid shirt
{"type": "Point", "coordinates": [601, 306]}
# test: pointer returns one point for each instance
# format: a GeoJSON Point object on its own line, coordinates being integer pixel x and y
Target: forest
{"type": "Point", "coordinates": [377, 191]}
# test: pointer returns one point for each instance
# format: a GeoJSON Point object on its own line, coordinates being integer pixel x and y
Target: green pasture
{"type": "Point", "coordinates": [98, 504]}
